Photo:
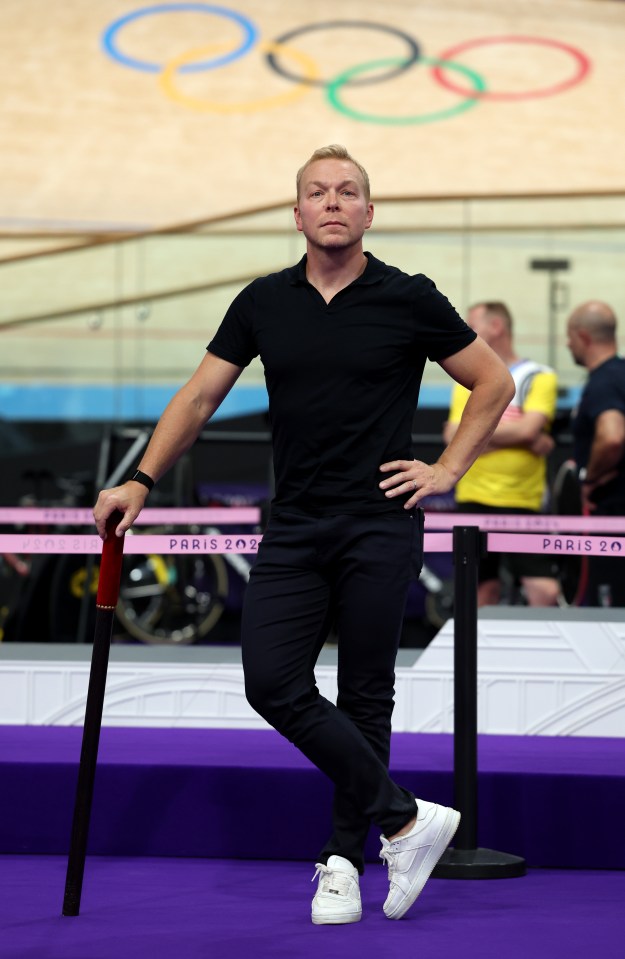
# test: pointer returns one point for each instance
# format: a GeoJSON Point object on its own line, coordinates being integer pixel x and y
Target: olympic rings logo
{"type": "Point", "coordinates": [300, 69]}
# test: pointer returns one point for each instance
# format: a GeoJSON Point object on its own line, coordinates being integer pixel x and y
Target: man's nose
{"type": "Point", "coordinates": [332, 199]}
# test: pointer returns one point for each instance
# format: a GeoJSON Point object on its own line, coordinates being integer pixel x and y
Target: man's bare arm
{"type": "Point", "coordinates": [175, 433]}
{"type": "Point", "coordinates": [479, 369]}
{"type": "Point", "coordinates": [608, 447]}
{"type": "Point", "coordinates": [521, 431]}
{"type": "Point", "coordinates": [528, 431]}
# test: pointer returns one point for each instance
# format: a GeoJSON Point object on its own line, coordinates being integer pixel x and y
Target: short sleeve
{"type": "Point", "coordinates": [542, 396]}
{"type": "Point", "coordinates": [234, 341]}
{"type": "Point", "coordinates": [440, 325]}
{"type": "Point", "coordinates": [606, 392]}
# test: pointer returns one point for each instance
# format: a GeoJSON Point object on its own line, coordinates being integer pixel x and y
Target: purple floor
{"type": "Point", "coordinates": [188, 908]}
{"type": "Point", "coordinates": [185, 792]}
{"type": "Point", "coordinates": [228, 801]}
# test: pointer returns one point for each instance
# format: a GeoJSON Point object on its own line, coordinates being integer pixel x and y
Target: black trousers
{"type": "Point", "coordinates": [351, 572]}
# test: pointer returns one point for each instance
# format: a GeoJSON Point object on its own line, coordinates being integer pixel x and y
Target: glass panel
{"type": "Point", "coordinates": [110, 328]}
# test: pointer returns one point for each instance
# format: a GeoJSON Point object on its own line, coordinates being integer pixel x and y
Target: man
{"type": "Point", "coordinates": [343, 339]}
{"type": "Point", "coordinates": [599, 436]}
{"type": "Point", "coordinates": [510, 476]}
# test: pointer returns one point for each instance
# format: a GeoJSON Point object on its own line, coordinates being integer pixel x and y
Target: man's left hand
{"type": "Point", "coordinates": [416, 479]}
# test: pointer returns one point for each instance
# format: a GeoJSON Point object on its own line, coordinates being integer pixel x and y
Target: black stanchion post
{"type": "Point", "coordinates": [466, 545]}
{"type": "Point", "coordinates": [106, 601]}
{"type": "Point", "coordinates": [466, 860]}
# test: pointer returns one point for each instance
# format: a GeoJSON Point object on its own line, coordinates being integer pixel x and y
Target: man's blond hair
{"type": "Point", "coordinates": [335, 151]}
{"type": "Point", "coordinates": [496, 308]}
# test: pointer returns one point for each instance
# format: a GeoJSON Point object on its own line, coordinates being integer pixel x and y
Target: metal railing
{"type": "Point", "coordinates": [107, 329]}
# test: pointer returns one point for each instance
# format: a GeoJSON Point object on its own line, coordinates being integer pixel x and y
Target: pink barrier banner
{"type": "Point", "coordinates": [223, 516]}
{"type": "Point", "coordinates": [160, 544]}
{"type": "Point", "coordinates": [558, 545]}
{"type": "Point", "coordinates": [26, 543]}
{"type": "Point", "coordinates": [438, 543]}
{"type": "Point", "coordinates": [71, 516]}
{"type": "Point", "coordinates": [527, 523]}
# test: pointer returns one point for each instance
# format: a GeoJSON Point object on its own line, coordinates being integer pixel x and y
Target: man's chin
{"type": "Point", "coordinates": [335, 241]}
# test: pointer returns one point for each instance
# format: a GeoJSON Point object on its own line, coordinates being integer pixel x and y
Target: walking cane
{"type": "Point", "coordinates": [108, 594]}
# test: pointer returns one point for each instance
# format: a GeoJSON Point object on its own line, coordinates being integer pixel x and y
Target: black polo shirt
{"type": "Point", "coordinates": [343, 378]}
{"type": "Point", "coordinates": [604, 390]}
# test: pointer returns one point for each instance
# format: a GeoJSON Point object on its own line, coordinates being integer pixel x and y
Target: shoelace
{"type": "Point", "coordinates": [331, 880]}
{"type": "Point", "coordinates": [387, 855]}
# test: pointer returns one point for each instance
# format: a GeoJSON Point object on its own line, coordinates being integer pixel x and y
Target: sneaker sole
{"type": "Point", "coordinates": [336, 920]}
{"type": "Point", "coordinates": [436, 850]}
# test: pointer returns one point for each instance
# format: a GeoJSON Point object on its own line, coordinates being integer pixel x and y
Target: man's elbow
{"type": "Point", "coordinates": [612, 450]}
{"type": "Point", "coordinates": [504, 389]}
{"type": "Point", "coordinates": [510, 386]}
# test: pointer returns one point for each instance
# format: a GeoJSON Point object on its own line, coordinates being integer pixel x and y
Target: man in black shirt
{"type": "Point", "coordinates": [343, 339]}
{"type": "Point", "coordinates": [599, 434]}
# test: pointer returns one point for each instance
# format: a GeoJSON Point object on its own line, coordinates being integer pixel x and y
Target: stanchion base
{"type": "Point", "coordinates": [479, 864]}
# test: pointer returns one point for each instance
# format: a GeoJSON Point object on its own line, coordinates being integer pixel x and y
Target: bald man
{"type": "Point", "coordinates": [599, 436]}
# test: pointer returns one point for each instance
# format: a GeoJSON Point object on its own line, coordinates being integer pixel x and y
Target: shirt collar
{"type": "Point", "coordinates": [373, 272]}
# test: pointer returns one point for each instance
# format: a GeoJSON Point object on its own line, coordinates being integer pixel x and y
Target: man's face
{"type": "Point", "coordinates": [332, 209]}
{"type": "Point", "coordinates": [575, 343]}
{"type": "Point", "coordinates": [480, 321]}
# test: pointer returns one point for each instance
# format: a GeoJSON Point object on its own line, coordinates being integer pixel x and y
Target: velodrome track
{"type": "Point", "coordinates": [125, 115]}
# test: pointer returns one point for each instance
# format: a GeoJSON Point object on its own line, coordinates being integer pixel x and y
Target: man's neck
{"type": "Point", "coordinates": [598, 356]}
{"type": "Point", "coordinates": [331, 270]}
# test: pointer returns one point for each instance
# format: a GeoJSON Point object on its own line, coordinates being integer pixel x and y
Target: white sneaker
{"type": "Point", "coordinates": [338, 894]}
{"type": "Point", "coordinates": [412, 858]}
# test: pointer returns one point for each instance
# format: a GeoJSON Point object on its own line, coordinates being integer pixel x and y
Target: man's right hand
{"type": "Point", "coordinates": [542, 445]}
{"type": "Point", "coordinates": [129, 499]}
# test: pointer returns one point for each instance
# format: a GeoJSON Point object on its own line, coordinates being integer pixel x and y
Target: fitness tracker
{"type": "Point", "coordinates": [140, 477]}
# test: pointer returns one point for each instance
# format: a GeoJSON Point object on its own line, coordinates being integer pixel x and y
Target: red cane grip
{"type": "Point", "coordinates": [111, 565]}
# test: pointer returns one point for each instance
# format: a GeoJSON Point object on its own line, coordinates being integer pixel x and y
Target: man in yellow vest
{"type": "Point", "coordinates": [511, 475]}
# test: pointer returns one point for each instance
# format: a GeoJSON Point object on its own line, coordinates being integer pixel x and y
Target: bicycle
{"type": "Point", "coordinates": [176, 600]}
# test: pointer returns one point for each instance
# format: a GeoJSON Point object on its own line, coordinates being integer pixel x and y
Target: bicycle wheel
{"type": "Point", "coordinates": [171, 600]}
{"type": "Point", "coordinates": [12, 588]}
{"type": "Point", "coordinates": [70, 578]}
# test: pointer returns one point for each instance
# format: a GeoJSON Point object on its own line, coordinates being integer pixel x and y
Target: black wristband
{"type": "Point", "coordinates": [140, 477]}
